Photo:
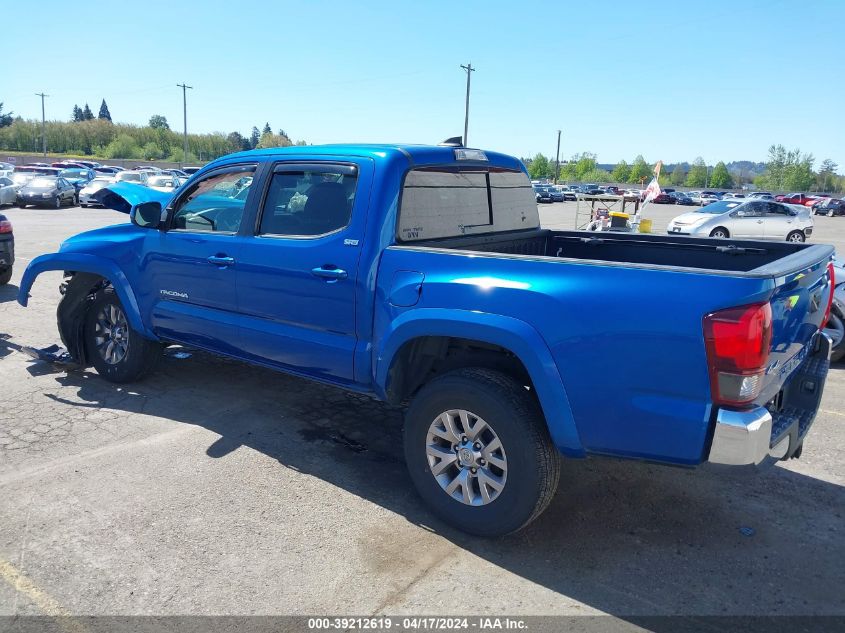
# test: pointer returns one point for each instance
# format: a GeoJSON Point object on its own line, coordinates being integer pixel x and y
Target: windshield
{"type": "Point", "coordinates": [129, 176]}
{"type": "Point", "coordinates": [161, 181]}
{"type": "Point", "coordinates": [42, 182]}
{"type": "Point", "coordinates": [73, 173]}
{"type": "Point", "coordinates": [98, 183]}
{"type": "Point", "coordinates": [20, 178]}
{"type": "Point", "coordinates": [719, 207]}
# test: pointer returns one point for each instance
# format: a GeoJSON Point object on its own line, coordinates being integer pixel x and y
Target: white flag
{"type": "Point", "coordinates": [652, 191]}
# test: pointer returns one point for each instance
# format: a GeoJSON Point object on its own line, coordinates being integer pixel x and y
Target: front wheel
{"type": "Point", "coordinates": [830, 213]}
{"type": "Point", "coordinates": [58, 203]}
{"type": "Point", "coordinates": [479, 452]}
{"type": "Point", "coordinates": [75, 200]}
{"type": "Point", "coordinates": [720, 232]}
{"type": "Point", "coordinates": [117, 352]}
{"type": "Point", "coordinates": [835, 329]}
{"type": "Point", "coordinates": [796, 236]}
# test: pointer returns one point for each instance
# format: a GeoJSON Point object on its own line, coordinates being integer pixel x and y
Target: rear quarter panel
{"type": "Point", "coordinates": [627, 341]}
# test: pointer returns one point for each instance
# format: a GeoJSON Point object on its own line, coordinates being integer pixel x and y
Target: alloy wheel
{"type": "Point", "coordinates": [111, 334]}
{"type": "Point", "coordinates": [466, 457]}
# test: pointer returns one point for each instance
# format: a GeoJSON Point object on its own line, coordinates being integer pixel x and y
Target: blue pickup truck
{"type": "Point", "coordinates": [421, 275]}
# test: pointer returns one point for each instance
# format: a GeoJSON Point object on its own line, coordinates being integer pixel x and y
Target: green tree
{"type": "Point", "coordinates": [267, 129]}
{"type": "Point", "coordinates": [151, 151]}
{"type": "Point", "coordinates": [104, 112]}
{"type": "Point", "coordinates": [5, 119]}
{"type": "Point", "coordinates": [254, 137]}
{"type": "Point", "coordinates": [640, 171]}
{"type": "Point", "coordinates": [679, 175]}
{"type": "Point", "coordinates": [77, 114]}
{"type": "Point", "coordinates": [697, 175]}
{"type": "Point", "coordinates": [123, 146]}
{"type": "Point", "coordinates": [826, 180]}
{"type": "Point", "coordinates": [87, 115]}
{"type": "Point", "coordinates": [273, 140]}
{"type": "Point", "coordinates": [539, 167]}
{"type": "Point", "coordinates": [621, 172]}
{"type": "Point", "coordinates": [584, 164]}
{"type": "Point", "coordinates": [721, 178]}
{"type": "Point", "coordinates": [159, 122]}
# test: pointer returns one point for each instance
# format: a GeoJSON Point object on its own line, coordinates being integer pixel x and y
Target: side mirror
{"type": "Point", "coordinates": [739, 214]}
{"type": "Point", "coordinates": [147, 215]}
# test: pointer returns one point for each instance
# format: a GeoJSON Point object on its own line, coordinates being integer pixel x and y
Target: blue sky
{"type": "Point", "coordinates": [671, 80]}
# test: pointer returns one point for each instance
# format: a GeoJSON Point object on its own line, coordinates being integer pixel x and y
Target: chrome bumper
{"type": "Point", "coordinates": [742, 438]}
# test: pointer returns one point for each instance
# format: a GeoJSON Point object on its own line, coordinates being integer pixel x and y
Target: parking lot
{"type": "Point", "coordinates": [214, 487]}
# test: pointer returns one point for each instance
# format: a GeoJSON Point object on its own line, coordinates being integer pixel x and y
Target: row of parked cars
{"type": "Point", "coordinates": [74, 183]}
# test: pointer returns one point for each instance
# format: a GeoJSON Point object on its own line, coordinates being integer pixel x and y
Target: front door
{"type": "Point", "coordinates": [297, 275]}
{"type": "Point", "coordinates": [190, 268]}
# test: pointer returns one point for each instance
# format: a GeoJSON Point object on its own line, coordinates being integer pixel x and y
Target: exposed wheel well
{"type": "Point", "coordinates": [421, 359]}
{"type": "Point", "coordinates": [78, 291]}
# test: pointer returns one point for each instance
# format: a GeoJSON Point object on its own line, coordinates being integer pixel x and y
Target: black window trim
{"type": "Point", "coordinates": [223, 169]}
{"type": "Point", "coordinates": [303, 165]}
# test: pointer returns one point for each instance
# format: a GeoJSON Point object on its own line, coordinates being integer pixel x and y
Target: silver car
{"type": "Point", "coordinates": [746, 219]}
{"type": "Point", "coordinates": [8, 191]}
{"type": "Point", "coordinates": [86, 194]}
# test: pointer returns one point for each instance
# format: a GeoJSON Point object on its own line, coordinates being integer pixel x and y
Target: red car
{"type": "Point", "coordinates": [663, 198]}
{"type": "Point", "coordinates": [793, 198]}
{"type": "Point", "coordinates": [814, 200]}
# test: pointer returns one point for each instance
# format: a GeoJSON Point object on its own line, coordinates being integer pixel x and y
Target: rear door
{"type": "Point", "coordinates": [780, 220]}
{"type": "Point", "coordinates": [297, 275]}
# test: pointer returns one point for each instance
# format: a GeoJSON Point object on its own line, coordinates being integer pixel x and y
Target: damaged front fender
{"type": "Point", "coordinates": [97, 266]}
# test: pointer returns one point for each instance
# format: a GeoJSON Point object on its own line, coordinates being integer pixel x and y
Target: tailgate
{"type": "Point", "coordinates": [799, 304]}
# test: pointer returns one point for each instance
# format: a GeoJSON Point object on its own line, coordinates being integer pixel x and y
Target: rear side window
{"type": "Point", "coordinates": [309, 201]}
{"type": "Point", "coordinates": [449, 203]}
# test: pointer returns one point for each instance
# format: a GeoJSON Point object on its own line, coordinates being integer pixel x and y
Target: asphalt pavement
{"type": "Point", "coordinates": [216, 488]}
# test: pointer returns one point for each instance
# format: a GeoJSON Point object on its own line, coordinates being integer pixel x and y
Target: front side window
{"type": "Point", "coordinates": [215, 203]}
{"type": "Point", "coordinates": [309, 201]}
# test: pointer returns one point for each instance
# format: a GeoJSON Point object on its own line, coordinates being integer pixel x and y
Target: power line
{"type": "Point", "coordinates": [469, 70]}
{"type": "Point", "coordinates": [43, 124]}
{"type": "Point", "coordinates": [185, 119]}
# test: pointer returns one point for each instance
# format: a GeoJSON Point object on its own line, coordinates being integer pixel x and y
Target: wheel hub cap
{"type": "Point", "coordinates": [466, 457]}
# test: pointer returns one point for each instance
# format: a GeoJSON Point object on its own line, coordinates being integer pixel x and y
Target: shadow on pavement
{"type": "Point", "coordinates": [624, 538]}
{"type": "Point", "coordinates": [8, 292]}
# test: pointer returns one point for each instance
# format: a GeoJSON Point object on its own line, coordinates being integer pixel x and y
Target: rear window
{"type": "Point", "coordinates": [439, 203]}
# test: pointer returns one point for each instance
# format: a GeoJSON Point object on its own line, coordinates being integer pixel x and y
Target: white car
{"type": "Point", "coordinates": [137, 177]}
{"type": "Point", "coordinates": [86, 194]}
{"type": "Point", "coordinates": [165, 183]}
{"type": "Point", "coordinates": [746, 219]}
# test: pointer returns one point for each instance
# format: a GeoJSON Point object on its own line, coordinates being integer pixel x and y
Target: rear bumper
{"type": "Point", "coordinates": [759, 435]}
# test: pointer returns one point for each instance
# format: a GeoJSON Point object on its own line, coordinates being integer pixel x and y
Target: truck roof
{"type": "Point", "coordinates": [417, 155]}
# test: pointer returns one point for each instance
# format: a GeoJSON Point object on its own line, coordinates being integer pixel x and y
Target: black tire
{"type": "Point", "coordinates": [5, 276]}
{"type": "Point", "coordinates": [836, 330]}
{"type": "Point", "coordinates": [720, 232]}
{"type": "Point", "coordinates": [830, 213]}
{"type": "Point", "coordinates": [75, 200]}
{"type": "Point", "coordinates": [141, 354]}
{"type": "Point", "coordinates": [533, 463]}
{"type": "Point", "coordinates": [21, 205]}
{"type": "Point", "coordinates": [58, 204]}
{"type": "Point", "coordinates": [796, 236]}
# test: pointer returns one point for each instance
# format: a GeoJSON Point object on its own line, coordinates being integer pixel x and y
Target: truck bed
{"type": "Point", "coordinates": [748, 257]}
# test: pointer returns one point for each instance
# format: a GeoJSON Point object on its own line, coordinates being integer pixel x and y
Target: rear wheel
{"type": "Point", "coordinates": [117, 352]}
{"type": "Point", "coordinates": [830, 213]}
{"type": "Point", "coordinates": [5, 276]}
{"type": "Point", "coordinates": [835, 329]}
{"type": "Point", "coordinates": [720, 232]}
{"type": "Point", "coordinates": [479, 452]}
{"type": "Point", "coordinates": [795, 236]}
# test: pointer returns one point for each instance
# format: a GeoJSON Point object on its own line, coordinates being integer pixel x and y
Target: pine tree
{"type": "Point", "coordinates": [87, 115]}
{"type": "Point", "coordinates": [104, 111]}
{"type": "Point", "coordinates": [77, 113]}
{"type": "Point", "coordinates": [678, 175]}
{"type": "Point", "coordinates": [266, 129]}
{"type": "Point", "coordinates": [254, 137]}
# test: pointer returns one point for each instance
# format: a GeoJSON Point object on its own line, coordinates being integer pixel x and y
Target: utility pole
{"type": "Point", "coordinates": [185, 119]}
{"type": "Point", "coordinates": [469, 70]}
{"type": "Point", "coordinates": [43, 124]}
{"type": "Point", "coordinates": [557, 158]}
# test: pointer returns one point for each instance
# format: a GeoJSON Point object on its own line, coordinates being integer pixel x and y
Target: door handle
{"type": "Point", "coordinates": [221, 260]}
{"type": "Point", "coordinates": [329, 272]}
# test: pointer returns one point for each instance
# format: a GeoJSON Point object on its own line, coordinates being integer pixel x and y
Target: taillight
{"type": "Point", "coordinates": [832, 281]}
{"type": "Point", "coordinates": [5, 226]}
{"type": "Point", "coordinates": [738, 342]}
